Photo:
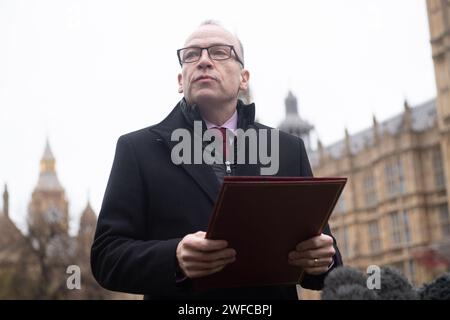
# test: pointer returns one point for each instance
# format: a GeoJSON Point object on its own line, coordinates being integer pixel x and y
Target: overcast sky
{"type": "Point", "coordinates": [85, 72]}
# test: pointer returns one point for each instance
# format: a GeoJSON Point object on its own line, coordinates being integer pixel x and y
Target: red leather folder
{"type": "Point", "coordinates": [263, 219]}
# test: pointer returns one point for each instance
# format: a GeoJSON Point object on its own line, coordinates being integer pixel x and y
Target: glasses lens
{"type": "Point", "coordinates": [193, 54]}
{"type": "Point", "coordinates": [190, 54]}
{"type": "Point", "coordinates": [219, 52]}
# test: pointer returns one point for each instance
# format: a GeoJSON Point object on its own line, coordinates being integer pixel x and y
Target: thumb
{"type": "Point", "coordinates": [200, 234]}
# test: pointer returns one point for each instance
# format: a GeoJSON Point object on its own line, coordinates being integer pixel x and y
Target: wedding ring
{"type": "Point", "coordinates": [316, 260]}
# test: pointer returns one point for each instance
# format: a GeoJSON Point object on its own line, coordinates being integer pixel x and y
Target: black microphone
{"type": "Point", "coordinates": [346, 283]}
{"type": "Point", "coordinates": [395, 286]}
{"type": "Point", "coordinates": [438, 289]}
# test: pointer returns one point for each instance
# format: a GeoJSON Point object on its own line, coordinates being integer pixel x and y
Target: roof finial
{"type": "Point", "coordinates": [48, 154]}
{"type": "Point", "coordinates": [6, 201]}
{"type": "Point", "coordinates": [406, 104]}
{"type": "Point", "coordinates": [321, 149]}
{"type": "Point", "coordinates": [407, 116]}
{"type": "Point", "coordinates": [376, 130]}
{"type": "Point", "coordinates": [347, 142]}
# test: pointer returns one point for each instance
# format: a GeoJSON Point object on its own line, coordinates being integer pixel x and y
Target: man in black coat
{"type": "Point", "coordinates": [150, 236]}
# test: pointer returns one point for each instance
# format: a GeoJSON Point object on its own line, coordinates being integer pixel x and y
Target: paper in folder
{"type": "Point", "coordinates": [263, 219]}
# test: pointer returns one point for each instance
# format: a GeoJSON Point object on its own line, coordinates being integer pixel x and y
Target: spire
{"type": "Point", "coordinates": [291, 104]}
{"type": "Point", "coordinates": [47, 160]}
{"type": "Point", "coordinates": [347, 142]}
{"type": "Point", "coordinates": [319, 144]}
{"type": "Point", "coordinates": [376, 129]}
{"type": "Point", "coordinates": [321, 149]}
{"type": "Point", "coordinates": [293, 123]}
{"type": "Point", "coordinates": [407, 116]}
{"type": "Point", "coordinates": [347, 135]}
{"type": "Point", "coordinates": [88, 217]}
{"type": "Point", "coordinates": [48, 179]}
{"type": "Point", "coordinates": [6, 201]}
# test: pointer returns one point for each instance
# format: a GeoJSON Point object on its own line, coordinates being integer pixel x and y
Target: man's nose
{"type": "Point", "coordinates": [205, 60]}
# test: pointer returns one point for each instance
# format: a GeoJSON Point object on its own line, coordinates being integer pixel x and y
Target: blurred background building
{"type": "Point", "coordinates": [34, 265]}
{"type": "Point", "coordinates": [394, 208]}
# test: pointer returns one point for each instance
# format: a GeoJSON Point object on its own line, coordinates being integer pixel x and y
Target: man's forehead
{"type": "Point", "coordinates": [210, 34]}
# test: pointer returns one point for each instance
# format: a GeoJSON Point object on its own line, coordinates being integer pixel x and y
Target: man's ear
{"type": "Point", "coordinates": [245, 76]}
{"type": "Point", "coordinates": [180, 83]}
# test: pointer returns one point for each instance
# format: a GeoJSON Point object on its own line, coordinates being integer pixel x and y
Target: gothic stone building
{"type": "Point", "coordinates": [34, 265]}
{"type": "Point", "coordinates": [394, 208]}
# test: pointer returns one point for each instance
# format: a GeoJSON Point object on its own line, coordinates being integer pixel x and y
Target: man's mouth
{"type": "Point", "coordinates": [204, 78]}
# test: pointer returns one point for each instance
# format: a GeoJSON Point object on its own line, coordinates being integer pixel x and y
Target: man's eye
{"type": "Point", "coordinates": [219, 52]}
{"type": "Point", "coordinates": [190, 54]}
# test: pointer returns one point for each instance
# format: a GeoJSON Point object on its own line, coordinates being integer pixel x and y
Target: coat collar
{"type": "Point", "coordinates": [183, 116]}
{"type": "Point", "coordinates": [246, 114]}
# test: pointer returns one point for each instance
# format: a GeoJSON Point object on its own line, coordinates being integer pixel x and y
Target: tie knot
{"type": "Point", "coordinates": [222, 130]}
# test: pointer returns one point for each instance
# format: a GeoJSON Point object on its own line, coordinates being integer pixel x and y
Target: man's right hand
{"type": "Point", "coordinates": [199, 257]}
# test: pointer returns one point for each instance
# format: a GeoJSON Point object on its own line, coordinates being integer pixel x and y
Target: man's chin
{"type": "Point", "coordinates": [206, 99]}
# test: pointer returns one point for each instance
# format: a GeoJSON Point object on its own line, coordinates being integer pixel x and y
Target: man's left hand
{"type": "Point", "coordinates": [314, 255]}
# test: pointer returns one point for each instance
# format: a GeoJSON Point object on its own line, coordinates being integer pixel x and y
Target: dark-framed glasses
{"type": "Point", "coordinates": [215, 52]}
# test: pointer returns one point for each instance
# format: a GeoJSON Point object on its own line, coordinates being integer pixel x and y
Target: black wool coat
{"type": "Point", "coordinates": [150, 204]}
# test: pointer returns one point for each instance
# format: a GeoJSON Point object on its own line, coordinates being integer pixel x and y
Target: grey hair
{"type": "Point", "coordinates": [211, 22]}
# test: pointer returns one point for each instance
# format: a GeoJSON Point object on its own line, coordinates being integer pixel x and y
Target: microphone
{"type": "Point", "coordinates": [395, 286]}
{"type": "Point", "coordinates": [438, 289]}
{"type": "Point", "coordinates": [350, 292]}
{"type": "Point", "coordinates": [346, 283]}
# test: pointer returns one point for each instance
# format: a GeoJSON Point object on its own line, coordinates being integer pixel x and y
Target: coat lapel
{"type": "Point", "coordinates": [202, 174]}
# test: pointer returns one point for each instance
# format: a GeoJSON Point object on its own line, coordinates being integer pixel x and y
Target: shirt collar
{"type": "Point", "coordinates": [230, 124]}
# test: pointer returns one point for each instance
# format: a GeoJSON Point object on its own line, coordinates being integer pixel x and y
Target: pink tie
{"type": "Point", "coordinates": [223, 131]}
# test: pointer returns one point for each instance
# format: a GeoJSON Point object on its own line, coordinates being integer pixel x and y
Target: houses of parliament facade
{"type": "Point", "coordinates": [394, 210]}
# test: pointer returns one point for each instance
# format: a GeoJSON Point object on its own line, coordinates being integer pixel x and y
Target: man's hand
{"type": "Point", "coordinates": [199, 257]}
{"type": "Point", "coordinates": [314, 255]}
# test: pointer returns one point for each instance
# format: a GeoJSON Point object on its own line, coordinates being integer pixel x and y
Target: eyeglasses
{"type": "Point", "coordinates": [216, 52]}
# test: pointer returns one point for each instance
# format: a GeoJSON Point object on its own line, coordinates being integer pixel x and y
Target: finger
{"type": "Point", "coordinates": [203, 265]}
{"type": "Point", "coordinates": [200, 234]}
{"type": "Point", "coordinates": [192, 255]}
{"type": "Point", "coordinates": [311, 263]}
{"type": "Point", "coordinates": [212, 271]}
{"type": "Point", "coordinates": [205, 245]}
{"type": "Point", "coordinates": [313, 253]}
{"type": "Point", "coordinates": [315, 243]}
{"type": "Point", "coordinates": [203, 273]}
{"type": "Point", "coordinates": [200, 265]}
